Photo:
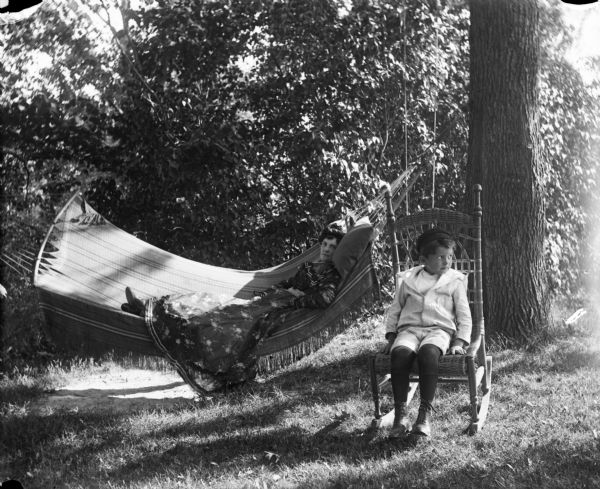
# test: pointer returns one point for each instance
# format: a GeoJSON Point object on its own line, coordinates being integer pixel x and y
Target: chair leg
{"type": "Point", "coordinates": [472, 375]}
{"type": "Point", "coordinates": [487, 378]}
{"type": "Point", "coordinates": [412, 389]}
{"type": "Point", "coordinates": [483, 407]}
{"type": "Point", "coordinates": [374, 387]}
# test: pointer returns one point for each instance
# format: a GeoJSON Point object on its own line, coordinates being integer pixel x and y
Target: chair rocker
{"type": "Point", "coordinates": [473, 368]}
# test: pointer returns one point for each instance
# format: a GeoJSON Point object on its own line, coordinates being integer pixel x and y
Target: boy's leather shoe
{"type": "Point", "coordinates": [422, 426]}
{"type": "Point", "coordinates": [401, 421]}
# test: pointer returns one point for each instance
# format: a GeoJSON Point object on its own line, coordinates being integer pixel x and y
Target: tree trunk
{"type": "Point", "coordinates": [504, 157]}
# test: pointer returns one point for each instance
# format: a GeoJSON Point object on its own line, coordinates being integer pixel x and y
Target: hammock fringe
{"type": "Point", "coordinates": [286, 357]}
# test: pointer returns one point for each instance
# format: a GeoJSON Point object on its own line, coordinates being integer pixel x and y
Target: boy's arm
{"type": "Point", "coordinates": [391, 317]}
{"type": "Point", "coordinates": [393, 313]}
{"type": "Point", "coordinates": [463, 315]}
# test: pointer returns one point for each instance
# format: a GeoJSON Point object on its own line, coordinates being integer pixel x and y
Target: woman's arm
{"type": "Point", "coordinates": [283, 285]}
{"type": "Point", "coordinates": [321, 295]}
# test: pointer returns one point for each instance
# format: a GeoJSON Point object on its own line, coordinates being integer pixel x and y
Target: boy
{"type": "Point", "coordinates": [429, 316]}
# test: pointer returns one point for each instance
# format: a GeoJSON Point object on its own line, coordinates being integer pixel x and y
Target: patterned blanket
{"type": "Point", "coordinates": [217, 341]}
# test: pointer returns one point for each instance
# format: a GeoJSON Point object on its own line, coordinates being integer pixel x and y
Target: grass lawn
{"type": "Point", "coordinates": [309, 426]}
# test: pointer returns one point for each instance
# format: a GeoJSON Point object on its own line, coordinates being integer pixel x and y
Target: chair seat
{"type": "Point", "coordinates": [449, 366]}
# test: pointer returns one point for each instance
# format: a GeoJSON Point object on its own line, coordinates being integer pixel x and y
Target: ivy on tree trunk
{"type": "Point", "coordinates": [504, 157]}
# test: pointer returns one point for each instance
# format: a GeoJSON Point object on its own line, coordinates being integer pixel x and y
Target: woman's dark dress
{"type": "Point", "coordinates": [219, 341]}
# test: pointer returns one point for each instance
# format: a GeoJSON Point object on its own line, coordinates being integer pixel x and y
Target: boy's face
{"type": "Point", "coordinates": [439, 262]}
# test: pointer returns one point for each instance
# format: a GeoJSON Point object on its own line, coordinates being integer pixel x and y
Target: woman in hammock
{"type": "Point", "coordinates": [218, 342]}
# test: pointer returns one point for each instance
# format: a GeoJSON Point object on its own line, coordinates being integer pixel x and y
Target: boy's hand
{"type": "Point", "coordinates": [390, 337]}
{"type": "Point", "coordinates": [457, 348]}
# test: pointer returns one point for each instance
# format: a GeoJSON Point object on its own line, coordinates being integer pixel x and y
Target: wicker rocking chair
{"type": "Point", "coordinates": [475, 367]}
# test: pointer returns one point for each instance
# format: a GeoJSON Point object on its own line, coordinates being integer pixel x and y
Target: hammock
{"type": "Point", "coordinates": [86, 262]}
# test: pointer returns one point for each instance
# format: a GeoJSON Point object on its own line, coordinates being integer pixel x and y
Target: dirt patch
{"type": "Point", "coordinates": [121, 390]}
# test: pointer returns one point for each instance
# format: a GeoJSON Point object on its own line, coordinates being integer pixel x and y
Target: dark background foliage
{"type": "Point", "coordinates": [231, 132]}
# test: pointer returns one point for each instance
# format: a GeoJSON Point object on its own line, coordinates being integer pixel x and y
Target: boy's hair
{"type": "Point", "coordinates": [332, 231]}
{"type": "Point", "coordinates": [433, 238]}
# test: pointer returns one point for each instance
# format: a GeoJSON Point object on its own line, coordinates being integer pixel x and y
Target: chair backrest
{"type": "Point", "coordinates": [466, 230]}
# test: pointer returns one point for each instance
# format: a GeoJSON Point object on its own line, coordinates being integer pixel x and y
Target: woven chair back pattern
{"type": "Point", "coordinates": [457, 224]}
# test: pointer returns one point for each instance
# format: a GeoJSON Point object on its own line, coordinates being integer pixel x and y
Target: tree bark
{"type": "Point", "coordinates": [504, 157]}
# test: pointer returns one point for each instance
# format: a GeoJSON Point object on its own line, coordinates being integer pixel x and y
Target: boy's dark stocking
{"type": "Point", "coordinates": [428, 359]}
{"type": "Point", "coordinates": [401, 362]}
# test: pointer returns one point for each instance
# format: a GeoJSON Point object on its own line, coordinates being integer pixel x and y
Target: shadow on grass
{"type": "Point", "coordinates": [199, 451]}
{"type": "Point", "coordinates": [217, 438]}
{"type": "Point", "coordinates": [546, 465]}
{"type": "Point", "coordinates": [567, 357]}
{"type": "Point", "coordinates": [198, 436]}
{"type": "Point", "coordinates": [291, 446]}
{"type": "Point", "coordinates": [24, 436]}
{"type": "Point", "coordinates": [77, 443]}
{"type": "Point", "coordinates": [327, 381]}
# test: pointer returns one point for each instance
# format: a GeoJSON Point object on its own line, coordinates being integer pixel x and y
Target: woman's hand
{"type": "Point", "coordinates": [265, 292]}
{"type": "Point", "coordinates": [295, 292]}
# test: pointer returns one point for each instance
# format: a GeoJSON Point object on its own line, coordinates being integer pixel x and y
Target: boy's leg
{"type": "Point", "coordinates": [402, 359]}
{"type": "Point", "coordinates": [428, 358]}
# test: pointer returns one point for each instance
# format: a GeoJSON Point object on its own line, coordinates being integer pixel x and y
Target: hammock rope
{"type": "Point", "coordinates": [18, 262]}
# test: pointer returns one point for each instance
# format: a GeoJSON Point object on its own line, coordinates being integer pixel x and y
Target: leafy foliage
{"type": "Point", "coordinates": [570, 127]}
{"type": "Point", "coordinates": [216, 128]}
{"type": "Point", "coordinates": [231, 132]}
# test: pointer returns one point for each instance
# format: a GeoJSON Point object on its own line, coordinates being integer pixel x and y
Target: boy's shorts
{"type": "Point", "coordinates": [415, 337]}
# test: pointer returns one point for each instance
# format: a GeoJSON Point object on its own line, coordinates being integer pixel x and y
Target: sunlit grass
{"type": "Point", "coordinates": [309, 426]}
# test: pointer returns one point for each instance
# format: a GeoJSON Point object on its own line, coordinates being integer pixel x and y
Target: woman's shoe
{"type": "Point", "coordinates": [136, 305]}
{"type": "Point", "coordinates": [126, 307]}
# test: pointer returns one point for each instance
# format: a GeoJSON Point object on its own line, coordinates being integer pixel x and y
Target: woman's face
{"type": "Point", "coordinates": [328, 246]}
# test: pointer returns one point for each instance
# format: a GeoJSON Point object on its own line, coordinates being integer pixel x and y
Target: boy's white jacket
{"type": "Point", "coordinates": [445, 305]}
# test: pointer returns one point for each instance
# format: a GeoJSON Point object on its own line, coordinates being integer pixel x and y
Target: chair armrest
{"type": "Point", "coordinates": [474, 347]}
